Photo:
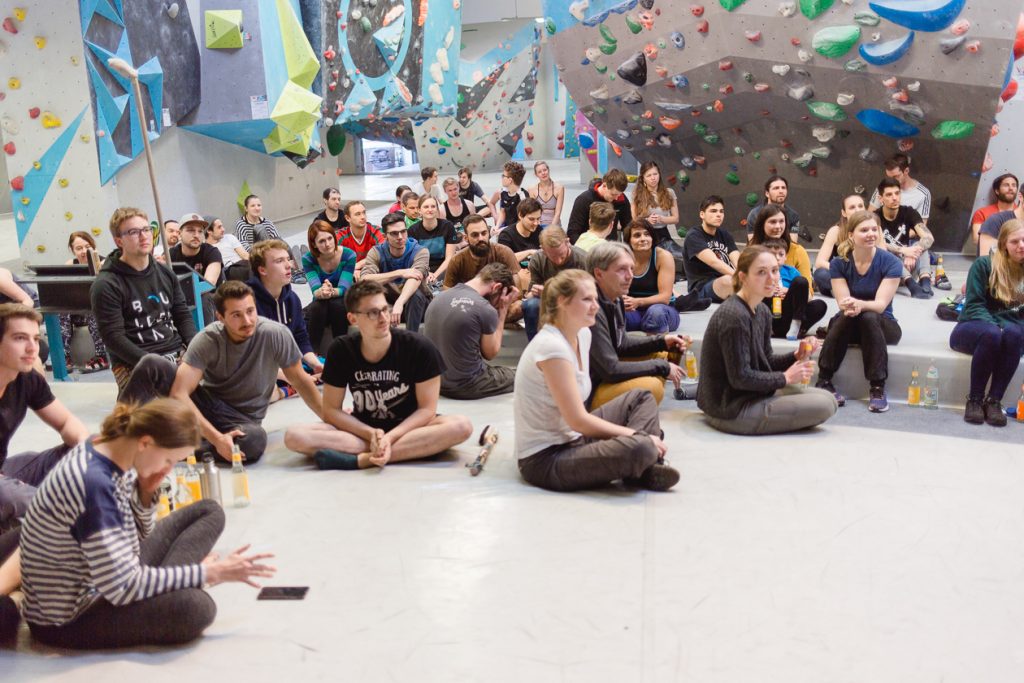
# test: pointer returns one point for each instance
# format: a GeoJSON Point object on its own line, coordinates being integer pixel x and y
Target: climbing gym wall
{"type": "Point", "coordinates": [495, 99]}
{"type": "Point", "coordinates": [49, 133]}
{"type": "Point", "coordinates": [723, 94]}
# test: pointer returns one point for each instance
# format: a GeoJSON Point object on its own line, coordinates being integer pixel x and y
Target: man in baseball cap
{"type": "Point", "coordinates": [192, 249]}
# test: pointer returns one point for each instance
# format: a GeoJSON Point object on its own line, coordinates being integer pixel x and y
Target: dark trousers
{"type": "Point", "coordinates": [415, 307]}
{"type": "Point", "coordinates": [154, 376]}
{"type": "Point", "coordinates": [797, 307]}
{"type": "Point", "coordinates": [995, 354]}
{"type": "Point", "coordinates": [587, 463]}
{"type": "Point", "coordinates": [323, 312]}
{"type": "Point", "coordinates": [822, 281]}
{"type": "Point", "coordinates": [872, 331]}
{"type": "Point", "coordinates": [241, 271]}
{"type": "Point", "coordinates": [494, 380]}
{"type": "Point", "coordinates": [185, 537]}
{"type": "Point", "coordinates": [20, 475]}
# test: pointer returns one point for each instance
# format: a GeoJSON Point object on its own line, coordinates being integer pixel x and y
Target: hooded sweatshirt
{"type": "Point", "coordinates": [139, 311]}
{"type": "Point", "coordinates": [286, 309]}
{"type": "Point", "coordinates": [579, 218]}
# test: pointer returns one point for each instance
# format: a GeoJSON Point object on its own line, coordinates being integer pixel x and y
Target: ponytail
{"type": "Point", "coordinates": [168, 421]}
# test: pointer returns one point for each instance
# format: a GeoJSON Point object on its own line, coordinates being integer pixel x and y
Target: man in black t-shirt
{"type": "Point", "coordinates": [523, 238]}
{"type": "Point", "coordinates": [395, 379]}
{"type": "Point", "coordinates": [906, 236]}
{"type": "Point", "coordinates": [332, 212]}
{"type": "Point", "coordinates": [21, 389]}
{"type": "Point", "coordinates": [710, 254]}
{"type": "Point", "coordinates": [193, 249]}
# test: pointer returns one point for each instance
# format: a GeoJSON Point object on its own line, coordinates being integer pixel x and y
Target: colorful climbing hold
{"type": "Point", "coordinates": [953, 130]}
{"type": "Point", "coordinates": [732, 178]}
{"type": "Point", "coordinates": [19, 13]}
{"type": "Point", "coordinates": [887, 52]}
{"type": "Point", "coordinates": [827, 110]}
{"type": "Point", "coordinates": [752, 199]}
{"type": "Point", "coordinates": [550, 27]}
{"type": "Point", "coordinates": [68, 215]}
{"type": "Point", "coordinates": [10, 26]}
{"type": "Point", "coordinates": [18, 183]}
{"type": "Point", "coordinates": [13, 82]}
{"type": "Point", "coordinates": [867, 18]}
{"type": "Point", "coordinates": [919, 15]}
{"type": "Point", "coordinates": [632, 24]}
{"type": "Point", "coordinates": [885, 123]}
{"type": "Point", "coordinates": [33, 113]}
{"type": "Point", "coordinates": [752, 36]}
{"type": "Point", "coordinates": [814, 8]}
{"type": "Point", "coordinates": [63, 182]}
{"type": "Point", "coordinates": [678, 40]}
{"type": "Point", "coordinates": [9, 148]}
{"type": "Point", "coordinates": [702, 26]}
{"type": "Point", "coordinates": [973, 46]}
{"type": "Point", "coordinates": [835, 41]}
{"type": "Point", "coordinates": [40, 42]}
{"type": "Point", "coordinates": [730, 5]}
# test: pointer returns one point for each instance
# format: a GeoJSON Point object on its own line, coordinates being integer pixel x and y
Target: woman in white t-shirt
{"type": "Point", "coordinates": [561, 446]}
{"type": "Point", "coordinates": [234, 255]}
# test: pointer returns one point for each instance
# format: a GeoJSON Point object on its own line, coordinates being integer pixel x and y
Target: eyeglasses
{"type": "Point", "coordinates": [397, 233]}
{"type": "Point", "coordinates": [375, 313]}
{"type": "Point", "coordinates": [134, 233]}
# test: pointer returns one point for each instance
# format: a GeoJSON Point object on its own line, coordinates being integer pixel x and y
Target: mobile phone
{"type": "Point", "coordinates": [282, 593]}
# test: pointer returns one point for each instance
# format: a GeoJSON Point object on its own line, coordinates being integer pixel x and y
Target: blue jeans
{"type": "Point", "coordinates": [655, 319]}
{"type": "Point", "coordinates": [531, 315]}
{"type": "Point", "coordinates": [995, 354]}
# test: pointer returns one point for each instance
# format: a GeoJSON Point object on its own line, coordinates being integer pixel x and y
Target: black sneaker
{"type": "Point", "coordinates": [827, 385]}
{"type": "Point", "coordinates": [926, 286]}
{"type": "Point", "coordinates": [878, 402]}
{"type": "Point", "coordinates": [915, 289]}
{"type": "Point", "coordinates": [942, 282]}
{"type": "Point", "coordinates": [973, 412]}
{"type": "Point", "coordinates": [659, 477]}
{"type": "Point", "coordinates": [994, 414]}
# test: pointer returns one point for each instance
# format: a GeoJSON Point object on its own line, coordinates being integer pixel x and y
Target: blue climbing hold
{"type": "Point", "coordinates": [442, 150]}
{"type": "Point", "coordinates": [678, 40]}
{"type": "Point", "coordinates": [887, 52]}
{"type": "Point", "coordinates": [919, 15]}
{"type": "Point", "coordinates": [586, 140]}
{"type": "Point", "coordinates": [884, 123]}
{"type": "Point", "coordinates": [680, 81]}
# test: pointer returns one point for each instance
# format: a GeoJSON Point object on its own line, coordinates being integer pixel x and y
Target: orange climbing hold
{"type": "Point", "coordinates": [718, 106]}
{"type": "Point", "coordinates": [669, 122]}
{"type": "Point", "coordinates": [422, 19]}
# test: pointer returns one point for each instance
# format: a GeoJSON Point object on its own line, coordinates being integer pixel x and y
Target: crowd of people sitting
{"type": "Point", "coordinates": [78, 518]}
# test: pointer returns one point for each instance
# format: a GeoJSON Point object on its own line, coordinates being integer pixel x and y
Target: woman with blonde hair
{"type": "Point", "coordinates": [549, 194]}
{"type": "Point", "coordinates": [97, 571]}
{"type": "Point", "coordinates": [990, 327]}
{"type": "Point", "coordinates": [827, 252]}
{"type": "Point", "coordinates": [864, 281]}
{"type": "Point", "coordinates": [745, 387]}
{"type": "Point", "coordinates": [560, 446]}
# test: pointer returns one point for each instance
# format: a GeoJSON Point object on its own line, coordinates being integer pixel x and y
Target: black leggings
{"type": "Point", "coordinates": [186, 537]}
{"type": "Point", "coordinates": [873, 331]}
{"type": "Point", "coordinates": [323, 312]}
{"type": "Point", "coordinates": [797, 307]}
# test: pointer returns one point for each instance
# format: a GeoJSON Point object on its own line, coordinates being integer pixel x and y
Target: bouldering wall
{"type": "Point", "coordinates": [723, 94]}
{"type": "Point", "coordinates": [496, 94]}
{"type": "Point", "coordinates": [49, 133]}
{"type": "Point", "coordinates": [259, 70]}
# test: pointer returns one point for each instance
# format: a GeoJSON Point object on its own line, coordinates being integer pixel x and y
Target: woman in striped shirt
{"type": "Point", "coordinates": [97, 571]}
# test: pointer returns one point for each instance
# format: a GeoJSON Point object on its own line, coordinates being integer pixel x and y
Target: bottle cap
{"type": "Point", "coordinates": [236, 455]}
{"type": "Point", "coordinates": [191, 460]}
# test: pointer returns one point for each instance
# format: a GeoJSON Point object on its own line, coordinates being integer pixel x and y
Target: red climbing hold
{"type": "Point", "coordinates": [33, 113]}
{"type": "Point", "coordinates": [9, 25]}
{"type": "Point", "coordinates": [1011, 90]}
{"type": "Point", "coordinates": [18, 183]}
{"type": "Point", "coordinates": [702, 27]}
{"type": "Point", "coordinates": [9, 148]}
{"type": "Point", "coordinates": [697, 10]}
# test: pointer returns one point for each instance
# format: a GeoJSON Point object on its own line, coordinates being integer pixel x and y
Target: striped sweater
{"type": "Point", "coordinates": [80, 541]}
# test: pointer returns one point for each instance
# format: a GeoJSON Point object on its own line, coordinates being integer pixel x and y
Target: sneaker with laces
{"type": "Point", "coordinates": [973, 412]}
{"type": "Point", "coordinates": [994, 414]}
{"type": "Point", "coordinates": [942, 282]}
{"type": "Point", "coordinates": [659, 477]}
{"type": "Point", "coordinates": [827, 385]}
{"type": "Point", "coordinates": [878, 402]}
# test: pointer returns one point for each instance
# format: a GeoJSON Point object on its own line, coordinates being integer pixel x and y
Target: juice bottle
{"type": "Point", "coordinates": [914, 390]}
{"type": "Point", "coordinates": [239, 479]}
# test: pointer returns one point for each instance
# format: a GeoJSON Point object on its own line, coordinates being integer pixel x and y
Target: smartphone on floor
{"type": "Point", "coordinates": [283, 593]}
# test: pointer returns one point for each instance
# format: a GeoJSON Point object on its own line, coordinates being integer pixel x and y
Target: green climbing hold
{"type": "Point", "coordinates": [953, 130]}
{"type": "Point", "coordinates": [647, 128]}
{"type": "Point", "coordinates": [550, 26]}
{"type": "Point", "coordinates": [662, 44]}
{"type": "Point", "coordinates": [712, 138]}
{"type": "Point", "coordinates": [681, 231]}
{"type": "Point", "coordinates": [705, 86]}
{"type": "Point", "coordinates": [867, 18]}
{"type": "Point", "coordinates": [730, 5]}
{"type": "Point", "coordinates": [601, 68]}
{"type": "Point", "coordinates": [752, 199]}
{"type": "Point", "coordinates": [335, 139]}
{"type": "Point", "coordinates": [835, 41]}
{"type": "Point", "coordinates": [814, 8]}
{"type": "Point", "coordinates": [748, 77]}
{"type": "Point", "coordinates": [607, 48]}
{"type": "Point", "coordinates": [365, 24]}
{"type": "Point", "coordinates": [599, 109]}
{"type": "Point", "coordinates": [633, 25]}
{"type": "Point", "coordinates": [700, 128]}
{"type": "Point", "coordinates": [607, 34]}
{"type": "Point", "coordinates": [827, 110]}
{"type": "Point", "coordinates": [683, 177]}
{"type": "Point", "coordinates": [460, 98]}
{"type": "Point", "coordinates": [757, 155]}
{"type": "Point", "coordinates": [444, 143]}
{"type": "Point", "coordinates": [732, 178]}
{"type": "Point", "coordinates": [856, 64]}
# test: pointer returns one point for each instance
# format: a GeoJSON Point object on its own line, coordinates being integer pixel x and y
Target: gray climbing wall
{"type": "Point", "coordinates": [725, 93]}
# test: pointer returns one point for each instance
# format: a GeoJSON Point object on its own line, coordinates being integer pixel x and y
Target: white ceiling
{"type": "Point", "coordinates": [483, 11]}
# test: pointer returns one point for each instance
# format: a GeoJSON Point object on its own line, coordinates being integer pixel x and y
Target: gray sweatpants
{"type": "Point", "coordinates": [185, 537]}
{"type": "Point", "coordinates": [19, 477]}
{"type": "Point", "coordinates": [494, 380]}
{"type": "Point", "coordinates": [589, 463]}
{"type": "Point", "coordinates": [790, 409]}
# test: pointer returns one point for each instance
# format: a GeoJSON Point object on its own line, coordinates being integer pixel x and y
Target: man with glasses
{"type": "Point", "coordinates": [394, 376]}
{"type": "Point", "coordinates": [138, 303]}
{"type": "Point", "coordinates": [401, 266]}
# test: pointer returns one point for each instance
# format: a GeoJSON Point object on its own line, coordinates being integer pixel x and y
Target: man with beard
{"type": "Point", "coordinates": [1005, 189]}
{"type": "Point", "coordinates": [556, 254]}
{"type": "Point", "coordinates": [228, 373]}
{"type": "Point", "coordinates": [480, 251]}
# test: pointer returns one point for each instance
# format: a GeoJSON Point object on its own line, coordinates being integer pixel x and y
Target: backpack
{"type": "Point", "coordinates": [950, 307]}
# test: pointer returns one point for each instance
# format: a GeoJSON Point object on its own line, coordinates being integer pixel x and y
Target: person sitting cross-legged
{"type": "Point", "coordinates": [402, 266]}
{"type": "Point", "coordinates": [395, 379]}
{"type": "Point", "coordinates": [559, 444]}
{"type": "Point", "coordinates": [619, 362]}
{"type": "Point", "coordinates": [466, 324]}
{"type": "Point", "coordinates": [556, 254]}
{"type": "Point", "coordinates": [228, 374]}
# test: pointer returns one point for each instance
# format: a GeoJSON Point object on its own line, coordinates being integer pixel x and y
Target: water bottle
{"type": "Point", "coordinates": [163, 506]}
{"type": "Point", "coordinates": [195, 487]}
{"type": "Point", "coordinates": [914, 390]}
{"type": "Point", "coordinates": [691, 365]}
{"type": "Point", "coordinates": [209, 480]}
{"type": "Point", "coordinates": [239, 479]}
{"type": "Point", "coordinates": [931, 387]}
{"type": "Point", "coordinates": [182, 496]}
{"type": "Point", "coordinates": [805, 347]}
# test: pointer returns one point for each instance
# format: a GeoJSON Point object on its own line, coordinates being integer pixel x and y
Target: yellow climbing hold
{"type": "Point", "coordinates": [36, 165]}
{"type": "Point", "coordinates": [68, 216]}
{"type": "Point", "coordinates": [63, 182]}
{"type": "Point", "coordinates": [85, 138]}
{"type": "Point", "coordinates": [74, 60]}
{"type": "Point", "coordinates": [13, 82]}
{"type": "Point", "coordinates": [19, 13]}
{"type": "Point", "coordinates": [96, 231]}
{"type": "Point", "coordinates": [40, 42]}
{"type": "Point", "coordinates": [25, 201]}
{"type": "Point", "coordinates": [41, 248]}
{"type": "Point", "coordinates": [50, 120]}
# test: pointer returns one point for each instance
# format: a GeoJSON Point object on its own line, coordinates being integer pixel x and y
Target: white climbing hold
{"type": "Point", "coordinates": [448, 38]}
{"type": "Point", "coordinates": [787, 9]}
{"type": "Point", "coordinates": [780, 69]}
{"type": "Point", "coordinates": [578, 8]}
{"type": "Point", "coordinates": [823, 133]}
{"type": "Point", "coordinates": [600, 93]}
{"type": "Point", "coordinates": [914, 87]}
{"type": "Point", "coordinates": [435, 93]}
{"type": "Point", "coordinates": [442, 59]}
{"type": "Point", "coordinates": [436, 73]}
{"type": "Point", "coordinates": [844, 99]}
{"type": "Point", "coordinates": [172, 10]}
{"type": "Point", "coordinates": [804, 55]}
